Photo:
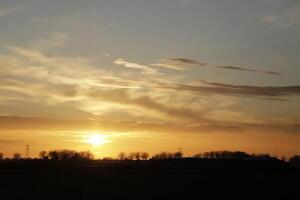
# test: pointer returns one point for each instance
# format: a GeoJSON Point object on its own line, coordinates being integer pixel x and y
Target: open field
{"type": "Point", "coordinates": [147, 180]}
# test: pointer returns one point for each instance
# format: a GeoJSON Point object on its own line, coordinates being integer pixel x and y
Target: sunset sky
{"type": "Point", "coordinates": [150, 75]}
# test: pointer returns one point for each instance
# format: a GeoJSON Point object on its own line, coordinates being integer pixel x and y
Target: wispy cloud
{"type": "Point", "coordinates": [33, 83]}
{"type": "Point", "coordinates": [179, 64]}
{"type": "Point", "coordinates": [145, 69]}
{"type": "Point", "coordinates": [8, 11]}
{"type": "Point", "coordinates": [53, 41]}
{"type": "Point", "coordinates": [294, 15]}
{"type": "Point", "coordinates": [29, 123]}
{"type": "Point", "coordinates": [269, 19]}
{"type": "Point", "coordinates": [169, 66]}
{"type": "Point", "coordinates": [250, 70]}
{"type": "Point", "coordinates": [227, 89]}
{"type": "Point", "coordinates": [11, 142]}
{"type": "Point", "coordinates": [186, 61]}
{"type": "Point", "coordinates": [123, 97]}
{"type": "Point", "coordinates": [287, 18]}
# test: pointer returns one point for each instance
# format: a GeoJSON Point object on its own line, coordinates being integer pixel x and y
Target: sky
{"type": "Point", "coordinates": [159, 75]}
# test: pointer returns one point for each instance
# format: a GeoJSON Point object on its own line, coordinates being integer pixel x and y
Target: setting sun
{"type": "Point", "coordinates": [96, 139]}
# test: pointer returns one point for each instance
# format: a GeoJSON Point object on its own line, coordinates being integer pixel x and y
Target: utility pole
{"type": "Point", "coordinates": [27, 151]}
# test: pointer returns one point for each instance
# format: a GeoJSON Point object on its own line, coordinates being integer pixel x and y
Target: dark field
{"type": "Point", "coordinates": [148, 180]}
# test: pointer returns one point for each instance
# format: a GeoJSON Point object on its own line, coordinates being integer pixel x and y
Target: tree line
{"type": "Point", "coordinates": [65, 155]}
{"type": "Point", "coordinates": [62, 155]}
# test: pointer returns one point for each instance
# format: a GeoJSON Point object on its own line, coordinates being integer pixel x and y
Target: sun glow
{"type": "Point", "coordinates": [96, 139]}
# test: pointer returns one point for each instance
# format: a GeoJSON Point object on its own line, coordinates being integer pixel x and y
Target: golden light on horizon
{"type": "Point", "coordinates": [96, 139]}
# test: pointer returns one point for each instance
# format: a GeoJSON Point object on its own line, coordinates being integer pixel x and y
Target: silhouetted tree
{"type": "Point", "coordinates": [161, 156]}
{"type": "Point", "coordinates": [167, 155]}
{"type": "Point", "coordinates": [70, 155]}
{"type": "Point", "coordinates": [206, 155]}
{"type": "Point", "coordinates": [178, 155]}
{"type": "Point", "coordinates": [107, 158]}
{"type": "Point", "coordinates": [17, 156]}
{"type": "Point", "coordinates": [295, 159]}
{"type": "Point", "coordinates": [144, 155]}
{"type": "Point", "coordinates": [137, 155]}
{"type": "Point", "coordinates": [198, 155]}
{"type": "Point", "coordinates": [53, 155]}
{"type": "Point", "coordinates": [263, 157]}
{"type": "Point", "coordinates": [238, 155]}
{"type": "Point", "coordinates": [43, 155]}
{"type": "Point", "coordinates": [1, 156]}
{"type": "Point", "coordinates": [86, 155]}
{"type": "Point", "coordinates": [241, 155]}
{"type": "Point", "coordinates": [131, 156]}
{"type": "Point", "coordinates": [122, 156]}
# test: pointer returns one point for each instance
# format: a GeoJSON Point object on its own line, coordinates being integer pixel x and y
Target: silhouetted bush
{"type": "Point", "coordinates": [1, 156]}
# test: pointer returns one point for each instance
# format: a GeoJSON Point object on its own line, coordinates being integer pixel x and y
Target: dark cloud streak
{"type": "Point", "coordinates": [249, 70]}
{"type": "Point", "coordinates": [227, 89]}
{"type": "Point", "coordinates": [186, 61]}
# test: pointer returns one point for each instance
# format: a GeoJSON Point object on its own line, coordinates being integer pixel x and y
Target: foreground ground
{"type": "Point", "coordinates": [148, 180]}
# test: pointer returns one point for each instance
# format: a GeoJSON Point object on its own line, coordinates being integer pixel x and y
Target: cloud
{"type": "Point", "coordinates": [122, 96]}
{"type": "Point", "coordinates": [169, 66]}
{"type": "Point", "coordinates": [245, 90]}
{"type": "Point", "coordinates": [30, 123]}
{"type": "Point", "coordinates": [294, 15]}
{"type": "Point", "coordinates": [63, 124]}
{"type": "Point", "coordinates": [287, 18]}
{"type": "Point", "coordinates": [53, 41]}
{"type": "Point", "coordinates": [269, 19]}
{"type": "Point", "coordinates": [146, 69]}
{"type": "Point", "coordinates": [179, 64]}
{"type": "Point", "coordinates": [184, 2]}
{"type": "Point", "coordinates": [186, 61]}
{"type": "Point", "coordinates": [11, 142]}
{"type": "Point", "coordinates": [249, 70]}
{"type": "Point", "coordinates": [33, 83]}
{"type": "Point", "coordinates": [8, 11]}
{"type": "Point", "coordinates": [29, 75]}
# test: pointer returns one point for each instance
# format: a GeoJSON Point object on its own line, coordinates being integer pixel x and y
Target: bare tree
{"type": "Point", "coordinates": [144, 155]}
{"type": "Point", "coordinates": [17, 156]}
{"type": "Point", "coordinates": [131, 156]}
{"type": "Point", "coordinates": [86, 155]}
{"type": "Point", "coordinates": [122, 156]}
{"type": "Point", "coordinates": [53, 155]}
{"type": "Point", "coordinates": [205, 155]}
{"type": "Point", "coordinates": [199, 155]}
{"type": "Point", "coordinates": [43, 155]}
{"type": "Point", "coordinates": [70, 155]}
{"type": "Point", "coordinates": [137, 155]}
{"type": "Point", "coordinates": [163, 155]}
